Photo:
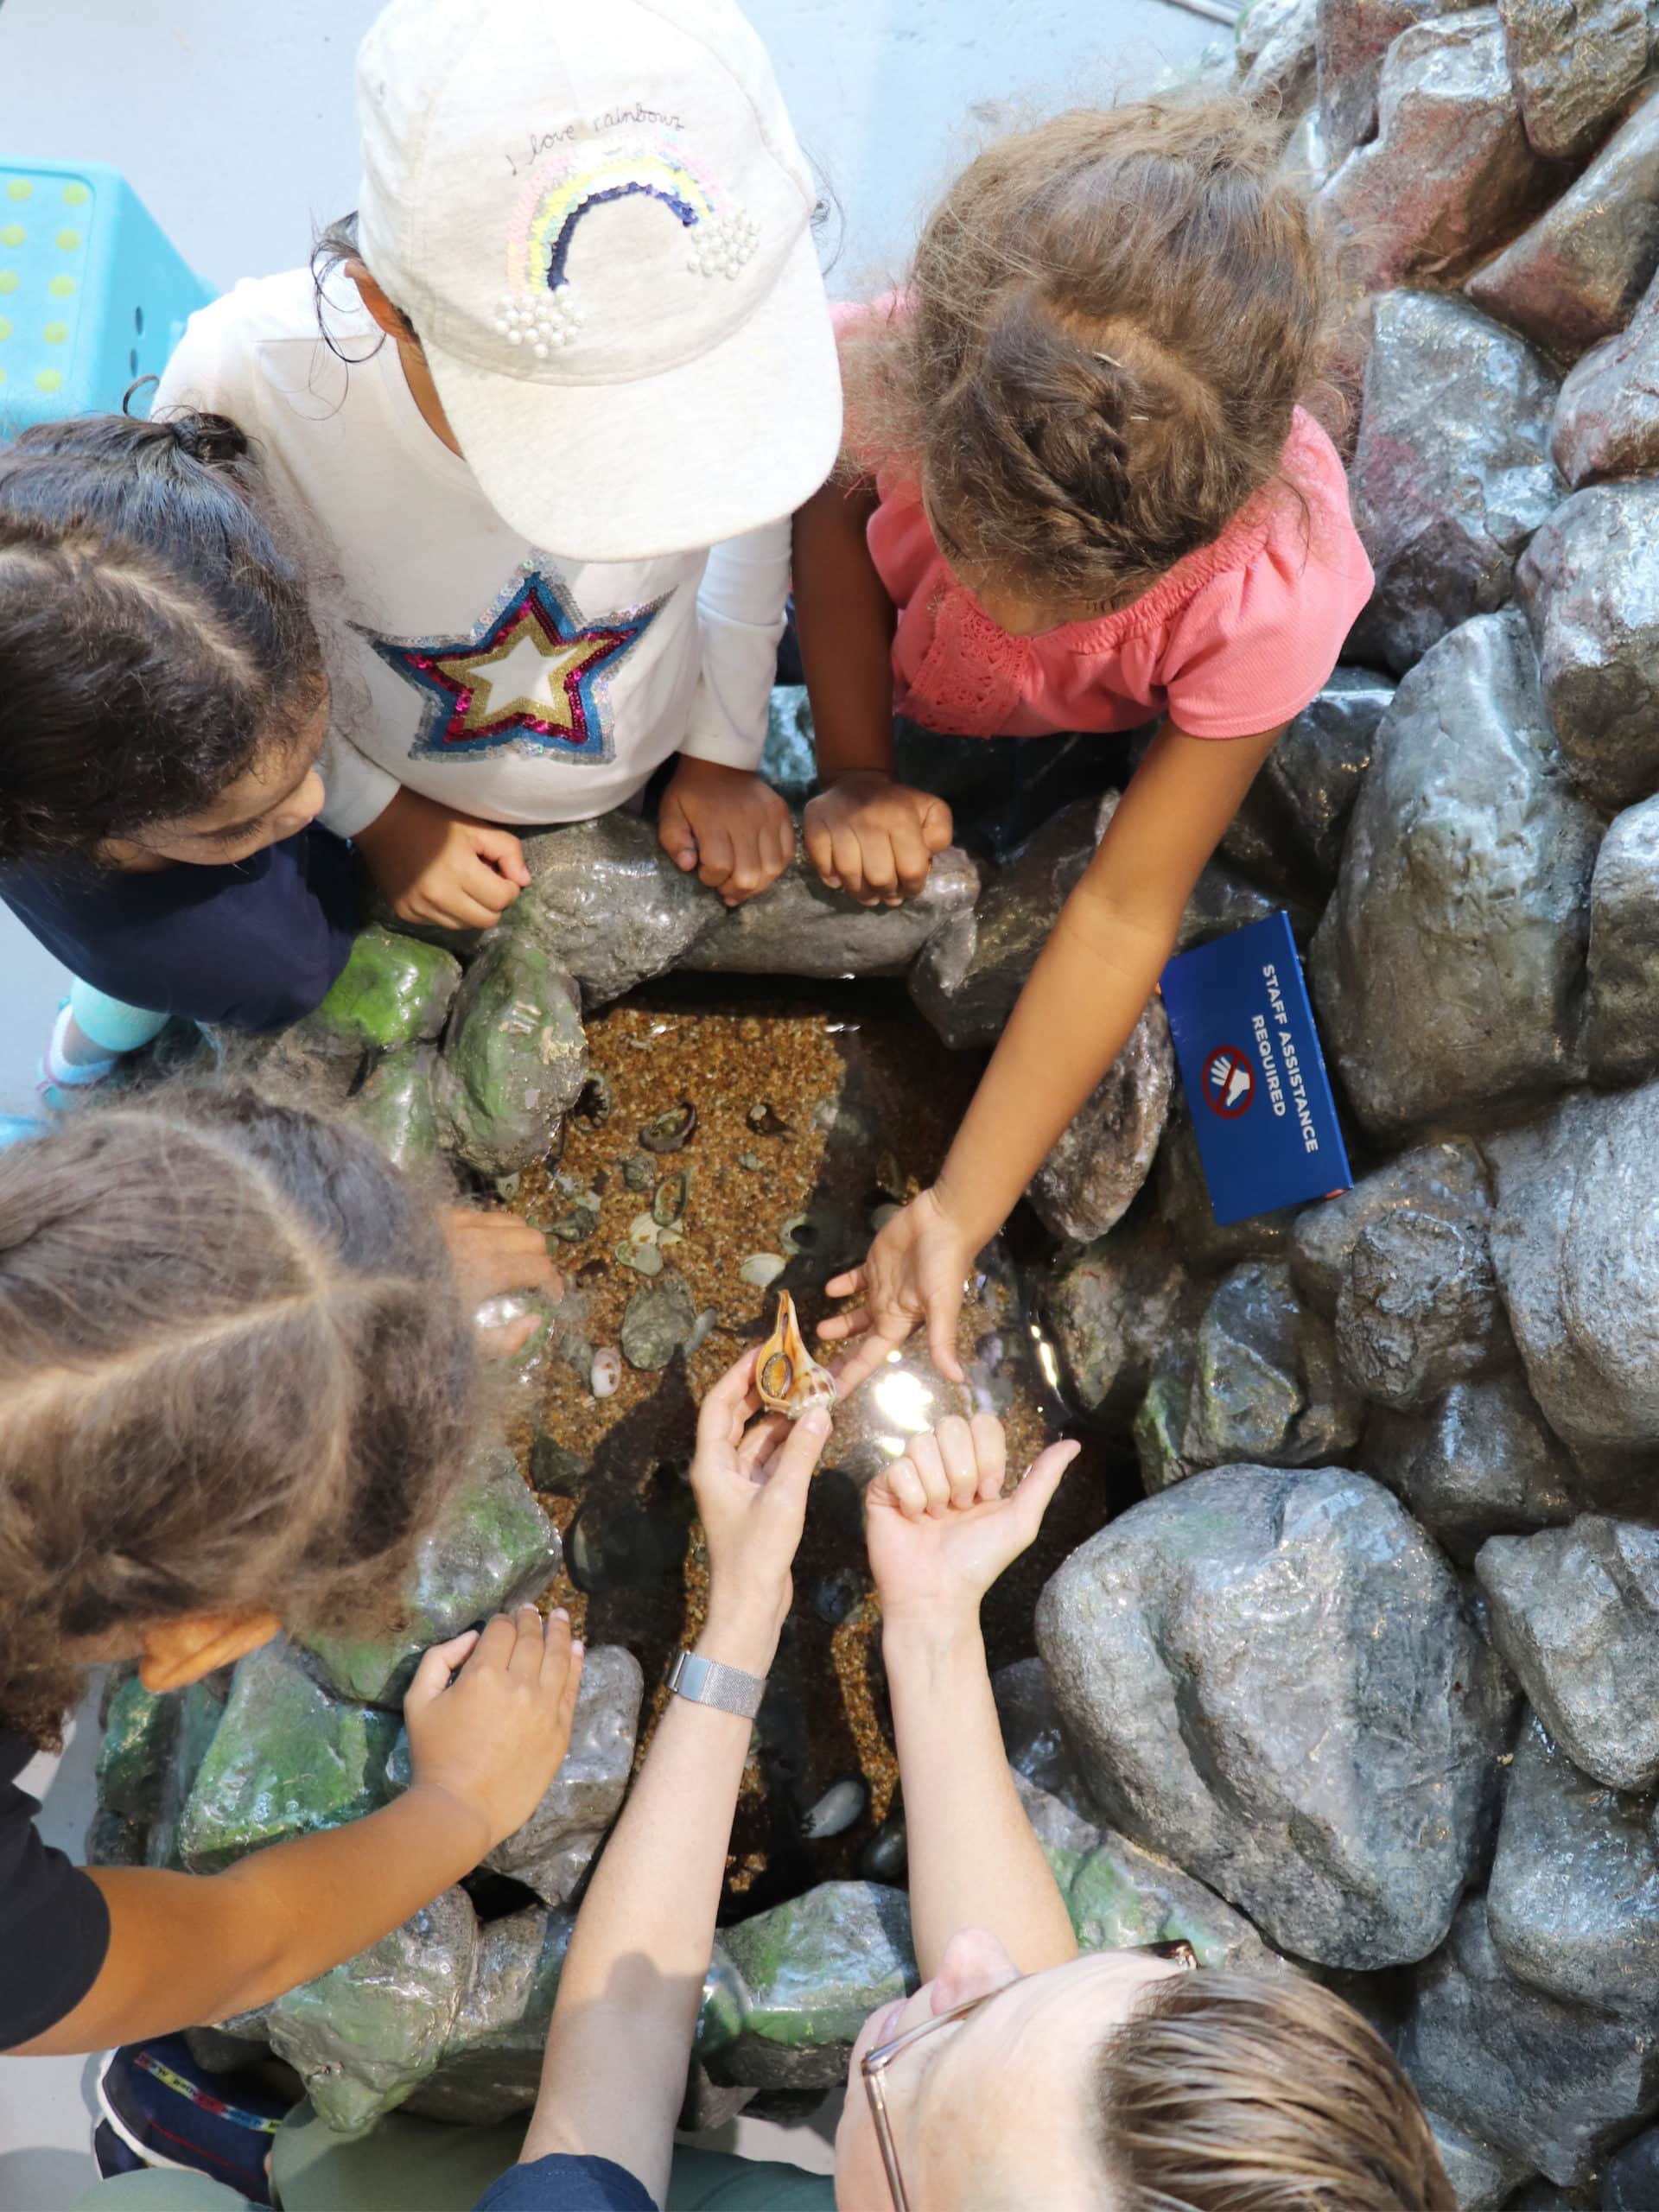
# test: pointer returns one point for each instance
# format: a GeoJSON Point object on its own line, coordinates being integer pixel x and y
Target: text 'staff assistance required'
{"type": "Point", "coordinates": [1255, 1076]}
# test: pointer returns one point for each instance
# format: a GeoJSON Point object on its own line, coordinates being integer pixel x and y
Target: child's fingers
{"type": "Point", "coordinates": [715, 857]}
{"type": "Point", "coordinates": [724, 1410]}
{"type": "Point", "coordinates": [528, 1645]}
{"type": "Point", "coordinates": [674, 834]}
{"type": "Point", "coordinates": [496, 1645]}
{"type": "Point", "coordinates": [849, 862]}
{"type": "Point", "coordinates": [938, 827]}
{"type": "Point", "coordinates": [991, 1452]}
{"type": "Point", "coordinates": [575, 1654]}
{"type": "Point", "coordinates": [478, 880]}
{"type": "Point", "coordinates": [835, 1327]}
{"type": "Point", "coordinates": [844, 1286]}
{"type": "Point", "coordinates": [820, 849]}
{"type": "Point", "coordinates": [1038, 1485]}
{"type": "Point", "coordinates": [791, 1472]}
{"type": "Point", "coordinates": [436, 1666]}
{"type": "Point", "coordinates": [942, 1309]}
{"type": "Point", "coordinates": [505, 853]}
{"type": "Point", "coordinates": [866, 1357]}
{"type": "Point", "coordinates": [954, 1440]}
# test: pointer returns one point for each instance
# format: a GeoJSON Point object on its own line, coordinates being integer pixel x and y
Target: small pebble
{"type": "Point", "coordinates": [762, 1268]}
{"type": "Point", "coordinates": [700, 1330]}
{"type": "Point", "coordinates": [637, 1172]}
{"type": "Point", "coordinates": [884, 1856]}
{"type": "Point", "coordinates": [644, 1259]}
{"type": "Point", "coordinates": [507, 1188]}
{"type": "Point", "coordinates": [841, 1804]}
{"type": "Point", "coordinates": [834, 1595]}
{"type": "Point", "coordinates": [607, 1371]}
{"type": "Point", "coordinates": [752, 1160]}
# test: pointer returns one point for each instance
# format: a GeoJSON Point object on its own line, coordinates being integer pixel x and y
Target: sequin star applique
{"type": "Point", "coordinates": [533, 678]}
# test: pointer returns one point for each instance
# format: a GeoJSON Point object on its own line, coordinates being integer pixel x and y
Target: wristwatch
{"type": "Point", "coordinates": [705, 1681]}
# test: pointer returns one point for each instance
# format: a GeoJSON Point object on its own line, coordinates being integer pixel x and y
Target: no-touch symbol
{"type": "Point", "coordinates": [1228, 1081]}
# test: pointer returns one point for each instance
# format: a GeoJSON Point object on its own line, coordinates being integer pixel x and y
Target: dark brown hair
{"type": "Point", "coordinates": [1110, 319]}
{"type": "Point", "coordinates": [235, 1374]}
{"type": "Point", "coordinates": [1225, 2092]}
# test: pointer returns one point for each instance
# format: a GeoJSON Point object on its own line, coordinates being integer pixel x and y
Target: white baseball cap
{"type": "Point", "coordinates": [596, 217]}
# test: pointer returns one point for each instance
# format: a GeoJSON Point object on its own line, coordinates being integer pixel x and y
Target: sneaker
{"type": "Point", "coordinates": [169, 2112]}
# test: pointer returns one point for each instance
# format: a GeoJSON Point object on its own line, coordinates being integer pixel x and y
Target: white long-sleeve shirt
{"type": "Point", "coordinates": [487, 673]}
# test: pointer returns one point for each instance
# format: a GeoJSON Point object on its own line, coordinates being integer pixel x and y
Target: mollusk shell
{"type": "Point", "coordinates": [788, 1378]}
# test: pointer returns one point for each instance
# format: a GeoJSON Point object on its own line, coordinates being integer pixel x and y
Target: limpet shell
{"type": "Point", "coordinates": [762, 1268]}
{"type": "Point", "coordinates": [786, 1376]}
{"type": "Point", "coordinates": [607, 1371]}
{"type": "Point", "coordinates": [670, 1131]}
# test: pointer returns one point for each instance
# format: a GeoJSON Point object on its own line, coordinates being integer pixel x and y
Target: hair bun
{"type": "Point", "coordinates": [213, 439]}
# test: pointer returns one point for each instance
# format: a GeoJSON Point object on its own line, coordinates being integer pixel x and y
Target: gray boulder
{"type": "Point", "coordinates": [1110, 1309]}
{"type": "Point", "coordinates": [1451, 473]}
{"type": "Point", "coordinates": [1445, 1180]}
{"type": "Point", "coordinates": [396, 1106]}
{"type": "Point", "coordinates": [491, 2063]}
{"type": "Point", "coordinates": [1607, 415]}
{"type": "Point", "coordinates": [1630, 2179]}
{"type": "Point", "coordinates": [1183, 1202]}
{"type": "Point", "coordinates": [1551, 2082]}
{"type": "Point", "coordinates": [815, 1969]}
{"type": "Point", "coordinates": [1622, 1033]}
{"type": "Point", "coordinates": [1573, 66]}
{"type": "Point", "coordinates": [1576, 1613]}
{"type": "Point", "coordinates": [800, 927]}
{"type": "Point", "coordinates": [1575, 276]}
{"type": "Point", "coordinates": [1298, 805]}
{"type": "Point", "coordinates": [1590, 586]}
{"type": "Point", "coordinates": [1121, 1898]}
{"type": "Point", "coordinates": [1269, 1674]}
{"type": "Point", "coordinates": [1350, 39]}
{"type": "Point", "coordinates": [1481, 1463]}
{"type": "Point", "coordinates": [1104, 1155]}
{"type": "Point", "coordinates": [1449, 968]}
{"type": "Point", "coordinates": [1449, 174]}
{"type": "Point", "coordinates": [1275, 55]}
{"type": "Point", "coordinates": [1572, 1903]}
{"type": "Point", "coordinates": [1034, 1735]}
{"type": "Point", "coordinates": [605, 904]}
{"type": "Point", "coordinates": [1483, 2179]}
{"type": "Point", "coordinates": [552, 1851]}
{"type": "Point", "coordinates": [514, 1057]}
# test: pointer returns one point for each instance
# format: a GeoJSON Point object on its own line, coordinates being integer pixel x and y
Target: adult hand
{"type": "Point", "coordinates": [434, 866]}
{"type": "Point", "coordinates": [940, 1531]}
{"type": "Point", "coordinates": [750, 1478]}
{"type": "Point", "coordinates": [493, 1739]}
{"type": "Point", "coordinates": [917, 1271]}
{"type": "Point", "coordinates": [494, 1255]}
{"type": "Point", "coordinates": [873, 838]}
{"type": "Point", "coordinates": [729, 825]}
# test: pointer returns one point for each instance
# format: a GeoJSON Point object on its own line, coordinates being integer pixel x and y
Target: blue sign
{"type": "Point", "coordinates": [1254, 1074]}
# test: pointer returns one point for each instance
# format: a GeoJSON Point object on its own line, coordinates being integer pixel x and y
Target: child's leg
{"type": "Point", "coordinates": [90, 1035]}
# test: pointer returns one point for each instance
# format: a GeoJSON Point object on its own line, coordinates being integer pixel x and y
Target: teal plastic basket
{"type": "Point", "coordinates": [93, 294]}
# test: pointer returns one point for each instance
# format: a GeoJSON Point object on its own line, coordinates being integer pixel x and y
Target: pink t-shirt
{"type": "Point", "coordinates": [1236, 638]}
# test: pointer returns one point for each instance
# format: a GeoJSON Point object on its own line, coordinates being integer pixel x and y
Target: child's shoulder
{"type": "Point", "coordinates": [264, 328]}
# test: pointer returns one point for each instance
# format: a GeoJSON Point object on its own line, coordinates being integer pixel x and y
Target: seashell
{"type": "Point", "coordinates": [841, 1804]}
{"type": "Point", "coordinates": [607, 1371]}
{"type": "Point", "coordinates": [637, 1172]}
{"type": "Point", "coordinates": [750, 1161]}
{"type": "Point", "coordinates": [669, 1132]}
{"type": "Point", "coordinates": [762, 1268]}
{"type": "Point", "coordinates": [593, 1107]}
{"type": "Point", "coordinates": [644, 1259]}
{"type": "Point", "coordinates": [642, 1229]}
{"type": "Point", "coordinates": [764, 1123]}
{"type": "Point", "coordinates": [668, 1202]}
{"type": "Point", "coordinates": [788, 1378]}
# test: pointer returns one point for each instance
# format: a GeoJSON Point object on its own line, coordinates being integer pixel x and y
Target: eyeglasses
{"type": "Point", "coordinates": [877, 2061]}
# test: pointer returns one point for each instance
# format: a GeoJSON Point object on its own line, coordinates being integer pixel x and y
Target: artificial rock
{"type": "Point", "coordinates": [605, 904]}
{"type": "Point", "coordinates": [815, 1970]}
{"type": "Point", "coordinates": [1606, 420]}
{"type": "Point", "coordinates": [1451, 473]}
{"type": "Point", "coordinates": [1574, 68]}
{"type": "Point", "coordinates": [1350, 39]}
{"type": "Point", "coordinates": [490, 2065]}
{"type": "Point", "coordinates": [552, 1851]}
{"type": "Point", "coordinates": [514, 1056]}
{"type": "Point", "coordinates": [1268, 1675]}
{"type": "Point", "coordinates": [394, 1106]}
{"type": "Point", "coordinates": [1483, 2179]}
{"type": "Point", "coordinates": [1105, 1154]}
{"type": "Point", "coordinates": [1483, 1462]}
{"type": "Point", "coordinates": [1295, 814]}
{"type": "Point", "coordinates": [1110, 1309]}
{"type": "Point", "coordinates": [1275, 55]}
{"type": "Point", "coordinates": [1622, 1032]}
{"type": "Point", "coordinates": [393, 991]}
{"type": "Point", "coordinates": [800, 927]}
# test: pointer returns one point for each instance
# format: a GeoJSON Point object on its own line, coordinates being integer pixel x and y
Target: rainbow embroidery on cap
{"type": "Point", "coordinates": [539, 308]}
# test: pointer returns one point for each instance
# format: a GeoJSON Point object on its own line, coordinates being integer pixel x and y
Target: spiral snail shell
{"type": "Point", "coordinates": [787, 1376]}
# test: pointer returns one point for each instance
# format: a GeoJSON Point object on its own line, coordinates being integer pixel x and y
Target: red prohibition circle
{"type": "Point", "coordinates": [1228, 1081]}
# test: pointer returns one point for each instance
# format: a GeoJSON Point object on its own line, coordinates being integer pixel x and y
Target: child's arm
{"type": "Point", "coordinates": [188, 1947]}
{"type": "Point", "coordinates": [1080, 1002]}
{"type": "Point", "coordinates": [865, 834]}
{"type": "Point", "coordinates": [940, 1534]}
{"type": "Point", "coordinates": [432, 865]}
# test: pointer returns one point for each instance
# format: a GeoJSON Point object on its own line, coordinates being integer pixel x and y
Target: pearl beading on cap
{"type": "Point", "coordinates": [545, 324]}
{"type": "Point", "coordinates": [720, 249]}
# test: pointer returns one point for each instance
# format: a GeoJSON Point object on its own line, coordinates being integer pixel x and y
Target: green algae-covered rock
{"type": "Point", "coordinates": [815, 1968]}
{"type": "Point", "coordinates": [1120, 1897]}
{"type": "Point", "coordinates": [139, 1732]}
{"type": "Point", "coordinates": [493, 1548]}
{"type": "Point", "coordinates": [514, 1056]}
{"type": "Point", "coordinates": [363, 2037]}
{"type": "Point", "coordinates": [394, 1106]}
{"type": "Point", "coordinates": [286, 1759]}
{"type": "Point", "coordinates": [491, 2063]}
{"type": "Point", "coordinates": [200, 1709]}
{"type": "Point", "coordinates": [393, 991]}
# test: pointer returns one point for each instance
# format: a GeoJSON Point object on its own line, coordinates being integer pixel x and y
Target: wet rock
{"type": "Point", "coordinates": [1630, 2179]}
{"type": "Point", "coordinates": [514, 1057]}
{"type": "Point", "coordinates": [286, 1760]}
{"type": "Point", "coordinates": [140, 1730]}
{"type": "Point", "coordinates": [1483, 2179]}
{"type": "Point", "coordinates": [902, 1400]}
{"type": "Point", "coordinates": [491, 2065]}
{"type": "Point", "coordinates": [555, 1471]}
{"type": "Point", "coordinates": [114, 1839]}
{"type": "Point", "coordinates": [886, 1857]}
{"type": "Point", "coordinates": [394, 1106]}
{"type": "Point", "coordinates": [1449, 968]}
{"type": "Point", "coordinates": [1574, 68]}
{"type": "Point", "coordinates": [1606, 420]}
{"type": "Point", "coordinates": [789, 760]}
{"type": "Point", "coordinates": [815, 1968]}
{"type": "Point", "coordinates": [1262, 1383]}
{"type": "Point", "coordinates": [1481, 1463]}
{"type": "Point", "coordinates": [605, 904]}
{"type": "Point", "coordinates": [1184, 1205]}
{"type": "Point", "coordinates": [1120, 1897]}
{"type": "Point", "coordinates": [1451, 473]}
{"type": "Point", "coordinates": [657, 1321]}
{"type": "Point", "coordinates": [1449, 174]}
{"type": "Point", "coordinates": [1622, 1033]}
{"type": "Point", "coordinates": [1550, 2083]}
{"type": "Point", "coordinates": [551, 1851]}
{"type": "Point", "coordinates": [1296, 812]}
{"type": "Point", "coordinates": [1448, 1180]}
{"type": "Point", "coordinates": [200, 1709]}
{"type": "Point", "coordinates": [1110, 1309]}
{"type": "Point", "coordinates": [1590, 586]}
{"type": "Point", "coordinates": [493, 1548]}
{"type": "Point", "coordinates": [1576, 1613]}
{"type": "Point", "coordinates": [1275, 55]}
{"type": "Point", "coordinates": [1572, 1903]}
{"type": "Point", "coordinates": [1350, 38]}
{"type": "Point", "coordinates": [1223, 900]}
{"type": "Point", "coordinates": [393, 991]}
{"type": "Point", "coordinates": [843, 1805]}
{"type": "Point", "coordinates": [1181, 1643]}
{"type": "Point", "coordinates": [1575, 1237]}
{"type": "Point", "coordinates": [1575, 277]}
{"type": "Point", "coordinates": [1105, 1154]}
{"type": "Point", "coordinates": [363, 2037]}
{"type": "Point", "coordinates": [1034, 1735]}
{"type": "Point", "coordinates": [800, 927]}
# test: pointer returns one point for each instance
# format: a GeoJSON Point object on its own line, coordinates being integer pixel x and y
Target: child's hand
{"type": "Point", "coordinates": [729, 825]}
{"type": "Point", "coordinates": [917, 1270]}
{"type": "Point", "coordinates": [751, 1485]}
{"type": "Point", "coordinates": [493, 1255]}
{"type": "Point", "coordinates": [493, 1739]}
{"type": "Point", "coordinates": [876, 839]}
{"type": "Point", "coordinates": [432, 865]}
{"type": "Point", "coordinates": [940, 1530]}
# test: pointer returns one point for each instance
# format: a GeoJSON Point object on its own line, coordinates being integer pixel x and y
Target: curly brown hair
{"type": "Point", "coordinates": [235, 1374]}
{"type": "Point", "coordinates": [1108, 325]}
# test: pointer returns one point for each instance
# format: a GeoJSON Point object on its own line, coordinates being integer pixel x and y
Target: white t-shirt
{"type": "Point", "coordinates": [486, 673]}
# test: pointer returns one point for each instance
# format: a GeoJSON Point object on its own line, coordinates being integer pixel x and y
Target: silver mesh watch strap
{"type": "Point", "coordinates": [705, 1681]}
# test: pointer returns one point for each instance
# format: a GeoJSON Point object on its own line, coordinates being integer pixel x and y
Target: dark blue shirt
{"type": "Point", "coordinates": [254, 945]}
{"type": "Point", "coordinates": [566, 2184]}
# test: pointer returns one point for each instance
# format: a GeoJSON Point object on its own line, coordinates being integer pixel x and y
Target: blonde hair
{"type": "Point", "coordinates": [1109, 321]}
{"type": "Point", "coordinates": [1230, 2094]}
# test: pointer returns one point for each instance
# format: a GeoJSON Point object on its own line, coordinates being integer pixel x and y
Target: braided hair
{"type": "Point", "coordinates": [155, 641]}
